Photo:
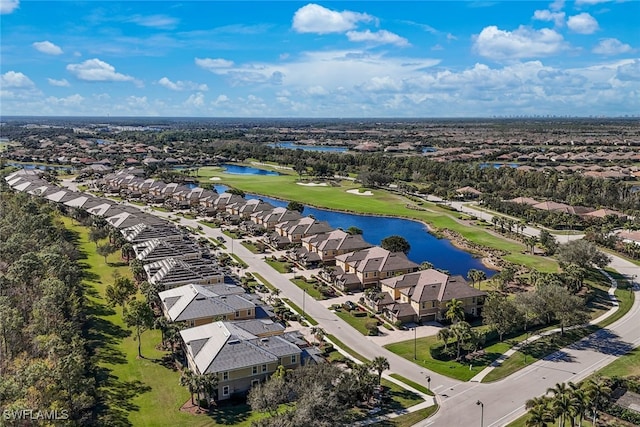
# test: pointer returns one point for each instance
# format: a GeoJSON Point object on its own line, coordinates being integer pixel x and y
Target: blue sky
{"type": "Point", "coordinates": [324, 59]}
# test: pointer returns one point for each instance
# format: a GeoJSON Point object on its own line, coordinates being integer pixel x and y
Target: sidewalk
{"type": "Point", "coordinates": [614, 285]}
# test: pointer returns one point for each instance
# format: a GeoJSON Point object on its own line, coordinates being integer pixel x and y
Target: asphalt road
{"type": "Point", "coordinates": [502, 401]}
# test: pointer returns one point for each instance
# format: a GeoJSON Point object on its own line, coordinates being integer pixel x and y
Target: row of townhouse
{"type": "Point", "coordinates": [231, 333]}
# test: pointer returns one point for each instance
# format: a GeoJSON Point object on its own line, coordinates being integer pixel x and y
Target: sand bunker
{"type": "Point", "coordinates": [214, 178]}
{"type": "Point", "coordinates": [357, 192]}
{"type": "Point", "coordinates": [312, 184]}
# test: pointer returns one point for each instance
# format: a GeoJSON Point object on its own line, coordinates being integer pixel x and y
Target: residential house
{"type": "Point", "coordinates": [365, 268]}
{"type": "Point", "coordinates": [336, 242]}
{"type": "Point", "coordinates": [198, 304]}
{"type": "Point", "coordinates": [171, 272]}
{"type": "Point", "coordinates": [296, 230]}
{"type": "Point", "coordinates": [239, 358]}
{"type": "Point", "coordinates": [423, 296]}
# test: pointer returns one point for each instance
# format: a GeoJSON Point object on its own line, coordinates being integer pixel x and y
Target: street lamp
{"type": "Point", "coordinates": [481, 412]}
{"type": "Point", "coordinates": [304, 293]}
{"type": "Point", "coordinates": [415, 345]}
{"type": "Point", "coordinates": [428, 383]}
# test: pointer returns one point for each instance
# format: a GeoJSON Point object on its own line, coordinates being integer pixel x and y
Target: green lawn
{"type": "Point", "coordinates": [143, 392]}
{"type": "Point", "coordinates": [251, 246]}
{"type": "Point", "coordinates": [400, 398]}
{"type": "Point", "coordinates": [264, 281]}
{"type": "Point", "coordinates": [310, 319]}
{"type": "Point", "coordinates": [453, 369]}
{"type": "Point", "coordinates": [347, 349]}
{"type": "Point", "coordinates": [239, 260]}
{"type": "Point", "coordinates": [545, 346]}
{"type": "Point", "coordinates": [311, 291]}
{"type": "Point", "coordinates": [358, 323]}
{"type": "Point", "coordinates": [279, 266]}
{"type": "Point", "coordinates": [407, 420]}
{"type": "Point", "coordinates": [413, 384]}
{"type": "Point", "coordinates": [382, 202]}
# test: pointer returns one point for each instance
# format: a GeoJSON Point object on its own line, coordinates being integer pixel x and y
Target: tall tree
{"type": "Point", "coordinates": [120, 292]}
{"type": "Point", "coordinates": [583, 254]}
{"type": "Point", "coordinates": [295, 206]}
{"type": "Point", "coordinates": [455, 311]}
{"type": "Point", "coordinates": [139, 316]}
{"type": "Point", "coordinates": [105, 250]}
{"type": "Point", "coordinates": [502, 314]}
{"type": "Point", "coordinates": [379, 364]}
{"type": "Point", "coordinates": [476, 276]}
{"type": "Point", "coordinates": [396, 244]}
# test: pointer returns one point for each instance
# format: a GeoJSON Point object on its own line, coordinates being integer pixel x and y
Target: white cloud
{"type": "Point", "coordinates": [524, 42]}
{"type": "Point", "coordinates": [16, 80]}
{"type": "Point", "coordinates": [582, 23]}
{"type": "Point", "coordinates": [611, 46]}
{"type": "Point", "coordinates": [59, 83]}
{"type": "Point", "coordinates": [69, 101]}
{"type": "Point", "coordinates": [48, 48]}
{"type": "Point", "coordinates": [314, 18]}
{"type": "Point", "coordinates": [182, 85]}
{"type": "Point", "coordinates": [8, 6]}
{"type": "Point", "coordinates": [154, 21]}
{"type": "Point", "coordinates": [378, 37]}
{"type": "Point", "coordinates": [557, 5]}
{"type": "Point", "coordinates": [195, 100]}
{"type": "Point", "coordinates": [591, 2]}
{"type": "Point", "coordinates": [629, 72]}
{"type": "Point", "coordinates": [213, 64]}
{"type": "Point", "coordinates": [546, 15]}
{"type": "Point", "coordinates": [95, 70]}
{"type": "Point", "coordinates": [221, 99]}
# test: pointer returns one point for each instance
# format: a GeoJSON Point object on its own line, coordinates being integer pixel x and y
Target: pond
{"type": "Point", "coordinates": [424, 246]}
{"type": "Point", "coordinates": [246, 170]}
{"type": "Point", "coordinates": [304, 147]}
{"type": "Point", "coordinates": [39, 166]}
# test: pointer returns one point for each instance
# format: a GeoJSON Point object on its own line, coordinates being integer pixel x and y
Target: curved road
{"type": "Point", "coordinates": [503, 401]}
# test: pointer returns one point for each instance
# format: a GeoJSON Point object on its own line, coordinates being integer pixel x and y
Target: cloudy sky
{"type": "Point", "coordinates": [325, 59]}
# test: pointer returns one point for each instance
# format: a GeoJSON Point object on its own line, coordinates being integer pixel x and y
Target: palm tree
{"type": "Point", "coordinates": [455, 311]}
{"type": "Point", "coordinates": [445, 335]}
{"type": "Point", "coordinates": [539, 416]}
{"type": "Point", "coordinates": [208, 385]}
{"type": "Point", "coordinates": [127, 252]}
{"type": "Point", "coordinates": [187, 379]}
{"type": "Point", "coordinates": [461, 331]}
{"type": "Point", "coordinates": [476, 276]}
{"type": "Point", "coordinates": [531, 242]}
{"type": "Point", "coordinates": [379, 364]}
{"type": "Point", "coordinates": [562, 403]}
{"type": "Point", "coordinates": [598, 392]}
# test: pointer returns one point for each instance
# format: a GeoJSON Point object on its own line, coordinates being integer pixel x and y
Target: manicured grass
{"type": "Point", "coordinates": [161, 209]}
{"type": "Point", "coordinates": [347, 349]}
{"type": "Point", "coordinates": [537, 350]}
{"type": "Point", "coordinates": [311, 291]}
{"type": "Point", "coordinates": [413, 384]}
{"type": "Point", "coordinates": [358, 323]}
{"type": "Point", "coordinates": [279, 266]}
{"type": "Point", "coordinates": [625, 366]}
{"type": "Point", "coordinates": [381, 203]}
{"type": "Point", "coordinates": [143, 391]}
{"type": "Point", "coordinates": [400, 398]}
{"type": "Point", "coordinates": [251, 246]}
{"type": "Point", "coordinates": [239, 261]}
{"type": "Point", "coordinates": [264, 281]}
{"type": "Point", "coordinates": [408, 420]}
{"type": "Point", "coordinates": [451, 368]}
{"type": "Point", "coordinates": [309, 319]}
{"type": "Point", "coordinates": [209, 224]}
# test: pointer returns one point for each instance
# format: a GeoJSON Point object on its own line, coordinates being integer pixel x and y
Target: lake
{"type": "Point", "coordinates": [39, 166]}
{"type": "Point", "coordinates": [246, 170]}
{"type": "Point", "coordinates": [304, 147]}
{"type": "Point", "coordinates": [424, 247]}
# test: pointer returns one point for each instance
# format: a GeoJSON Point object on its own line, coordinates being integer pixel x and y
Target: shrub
{"type": "Point", "coordinates": [359, 314]}
{"type": "Point", "coordinates": [372, 327]}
